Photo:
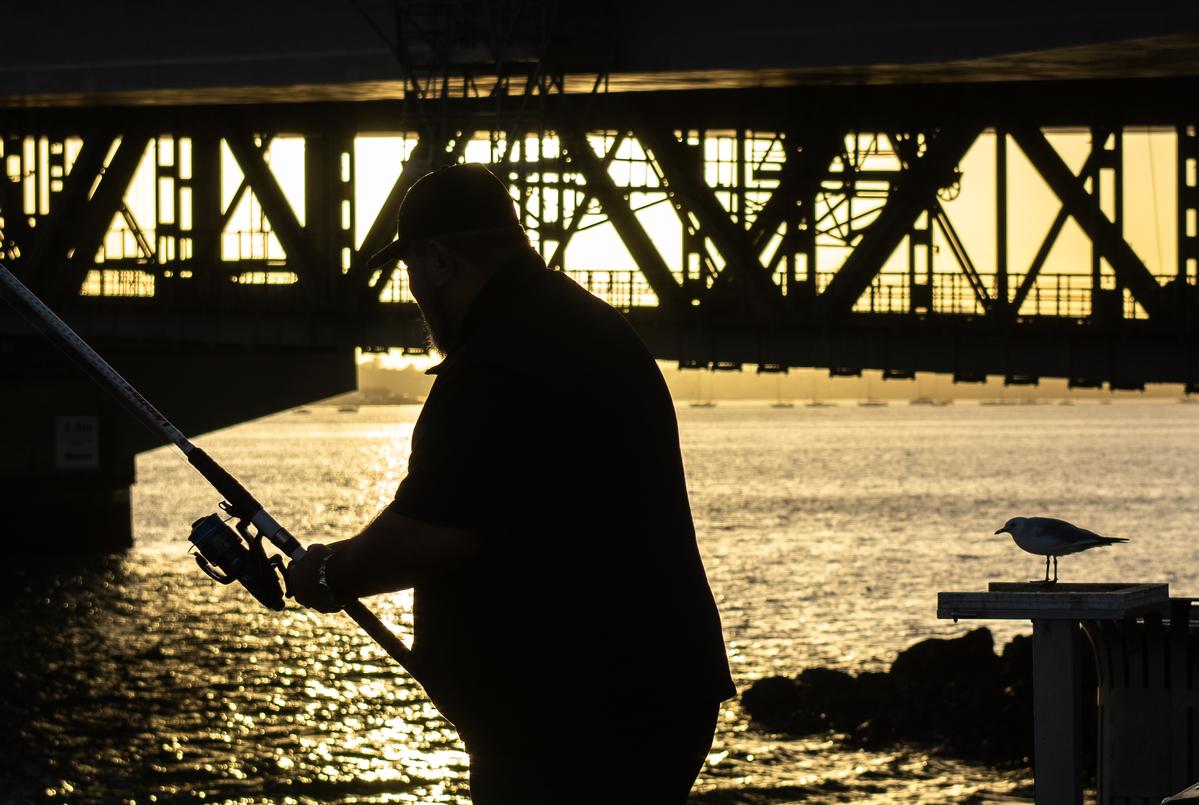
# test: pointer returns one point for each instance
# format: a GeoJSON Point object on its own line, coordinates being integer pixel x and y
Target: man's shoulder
{"type": "Point", "coordinates": [567, 316]}
{"type": "Point", "coordinates": [555, 336]}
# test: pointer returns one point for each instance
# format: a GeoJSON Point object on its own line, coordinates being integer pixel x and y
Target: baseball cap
{"type": "Point", "coordinates": [454, 200]}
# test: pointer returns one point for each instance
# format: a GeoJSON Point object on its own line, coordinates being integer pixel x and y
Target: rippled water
{"type": "Point", "coordinates": [826, 532]}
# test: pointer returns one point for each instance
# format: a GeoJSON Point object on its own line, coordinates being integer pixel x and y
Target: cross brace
{"type": "Point", "coordinates": [916, 190]}
{"type": "Point", "coordinates": [692, 195]}
{"type": "Point", "coordinates": [1085, 210]}
{"type": "Point", "coordinates": [301, 255]}
{"type": "Point", "coordinates": [1038, 261]}
{"type": "Point", "coordinates": [616, 207]}
{"type": "Point", "coordinates": [809, 154]}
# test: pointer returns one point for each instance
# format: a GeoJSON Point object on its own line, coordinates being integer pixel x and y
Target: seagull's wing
{"type": "Point", "coordinates": [1065, 531]}
{"type": "Point", "coordinates": [1070, 537]}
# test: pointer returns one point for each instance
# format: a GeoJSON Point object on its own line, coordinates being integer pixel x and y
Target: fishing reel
{"type": "Point", "coordinates": [227, 556]}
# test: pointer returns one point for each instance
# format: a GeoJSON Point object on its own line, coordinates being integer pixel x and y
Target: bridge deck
{"type": "Point", "coordinates": [277, 51]}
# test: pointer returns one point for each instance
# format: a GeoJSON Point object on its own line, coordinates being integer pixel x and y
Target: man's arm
{"type": "Point", "coordinates": [393, 553]}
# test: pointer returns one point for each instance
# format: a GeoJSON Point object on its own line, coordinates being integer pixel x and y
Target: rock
{"type": "Point", "coordinates": [874, 733]}
{"type": "Point", "coordinates": [939, 662]}
{"type": "Point", "coordinates": [955, 693]}
{"type": "Point", "coordinates": [818, 700]}
{"type": "Point", "coordinates": [771, 701]}
{"type": "Point", "coordinates": [829, 694]}
{"type": "Point", "coordinates": [875, 725]}
{"type": "Point", "coordinates": [1015, 676]}
{"type": "Point", "coordinates": [841, 700]}
{"type": "Point", "coordinates": [1016, 659]}
{"type": "Point", "coordinates": [784, 704]}
{"type": "Point", "coordinates": [948, 692]}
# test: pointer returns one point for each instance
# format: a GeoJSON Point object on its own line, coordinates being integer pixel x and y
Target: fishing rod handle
{"type": "Point", "coordinates": [379, 632]}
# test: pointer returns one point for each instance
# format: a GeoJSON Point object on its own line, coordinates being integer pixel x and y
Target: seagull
{"type": "Point", "coordinates": [1051, 538]}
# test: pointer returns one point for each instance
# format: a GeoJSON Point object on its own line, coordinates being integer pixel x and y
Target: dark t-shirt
{"type": "Point", "coordinates": [549, 430]}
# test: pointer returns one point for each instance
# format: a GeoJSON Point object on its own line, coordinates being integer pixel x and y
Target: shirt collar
{"type": "Point", "coordinates": [494, 298]}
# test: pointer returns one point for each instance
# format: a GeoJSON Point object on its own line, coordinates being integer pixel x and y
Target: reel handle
{"type": "Point", "coordinates": [211, 572]}
{"type": "Point", "coordinates": [238, 556]}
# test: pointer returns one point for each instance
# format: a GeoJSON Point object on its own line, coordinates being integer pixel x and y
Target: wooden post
{"type": "Point", "coordinates": [1056, 611]}
{"type": "Point", "coordinates": [1057, 736]}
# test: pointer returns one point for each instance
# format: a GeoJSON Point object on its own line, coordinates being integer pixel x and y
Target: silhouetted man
{"type": "Point", "coordinates": [563, 619]}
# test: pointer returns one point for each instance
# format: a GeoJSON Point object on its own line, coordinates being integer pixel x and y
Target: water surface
{"type": "Point", "coordinates": [826, 532]}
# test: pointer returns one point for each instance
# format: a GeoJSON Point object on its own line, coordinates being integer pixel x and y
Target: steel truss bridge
{"type": "Point", "coordinates": [196, 190]}
{"type": "Point", "coordinates": [812, 222]}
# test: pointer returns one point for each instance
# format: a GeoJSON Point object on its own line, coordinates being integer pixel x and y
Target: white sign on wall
{"type": "Point", "coordinates": [77, 441]}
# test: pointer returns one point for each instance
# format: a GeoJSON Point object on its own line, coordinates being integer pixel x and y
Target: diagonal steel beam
{"type": "Point", "coordinates": [906, 150]}
{"type": "Point", "coordinates": [916, 190]}
{"type": "Point", "coordinates": [693, 196]}
{"type": "Point", "coordinates": [136, 229]}
{"type": "Point", "coordinates": [962, 256]}
{"type": "Point", "coordinates": [556, 259]}
{"type": "Point", "coordinates": [301, 255]}
{"type": "Point", "coordinates": [1084, 208]}
{"type": "Point", "coordinates": [12, 206]}
{"type": "Point", "coordinates": [616, 207]}
{"type": "Point", "coordinates": [93, 221]}
{"type": "Point", "coordinates": [242, 187]}
{"type": "Point", "coordinates": [382, 229]}
{"type": "Point", "coordinates": [53, 239]}
{"type": "Point", "coordinates": [803, 171]}
{"type": "Point", "coordinates": [428, 154]}
{"type": "Point", "coordinates": [227, 214]}
{"type": "Point", "coordinates": [1038, 261]}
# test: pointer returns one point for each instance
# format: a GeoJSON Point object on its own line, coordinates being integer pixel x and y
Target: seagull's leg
{"type": "Point", "coordinates": [1046, 568]}
{"type": "Point", "coordinates": [1055, 568]}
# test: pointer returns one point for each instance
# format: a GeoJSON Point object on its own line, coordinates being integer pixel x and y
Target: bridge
{"type": "Point", "coordinates": [196, 190]}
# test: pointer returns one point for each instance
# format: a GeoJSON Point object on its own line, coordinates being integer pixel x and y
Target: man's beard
{"type": "Point", "coordinates": [439, 333]}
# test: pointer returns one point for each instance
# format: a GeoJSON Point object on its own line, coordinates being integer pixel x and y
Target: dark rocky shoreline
{"type": "Point", "coordinates": [957, 694]}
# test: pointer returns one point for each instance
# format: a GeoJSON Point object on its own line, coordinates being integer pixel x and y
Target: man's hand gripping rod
{"type": "Point", "coordinates": [210, 534]}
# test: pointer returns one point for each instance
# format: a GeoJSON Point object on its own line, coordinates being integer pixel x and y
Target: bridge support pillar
{"type": "Point", "coordinates": [65, 472]}
{"type": "Point", "coordinates": [67, 448]}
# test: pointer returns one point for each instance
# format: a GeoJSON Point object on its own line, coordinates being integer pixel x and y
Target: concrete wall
{"type": "Point", "coordinates": [67, 447]}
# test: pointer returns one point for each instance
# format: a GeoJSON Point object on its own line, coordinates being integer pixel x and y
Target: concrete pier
{"type": "Point", "coordinates": [67, 447]}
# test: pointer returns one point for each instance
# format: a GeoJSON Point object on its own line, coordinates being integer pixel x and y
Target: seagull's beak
{"type": "Point", "coordinates": [1002, 531]}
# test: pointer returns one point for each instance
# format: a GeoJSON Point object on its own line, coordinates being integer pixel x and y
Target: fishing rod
{"type": "Point", "coordinates": [225, 554]}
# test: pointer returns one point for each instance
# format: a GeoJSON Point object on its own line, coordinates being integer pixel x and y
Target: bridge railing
{"type": "Point", "coordinates": [1058, 295]}
{"type": "Point", "coordinates": [1055, 295]}
{"type": "Point", "coordinates": [623, 290]}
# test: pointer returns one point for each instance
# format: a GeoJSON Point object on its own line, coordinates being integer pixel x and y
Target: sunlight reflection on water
{"type": "Point", "coordinates": [826, 534]}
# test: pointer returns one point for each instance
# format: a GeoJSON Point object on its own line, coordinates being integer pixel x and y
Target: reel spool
{"type": "Point", "coordinates": [227, 556]}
